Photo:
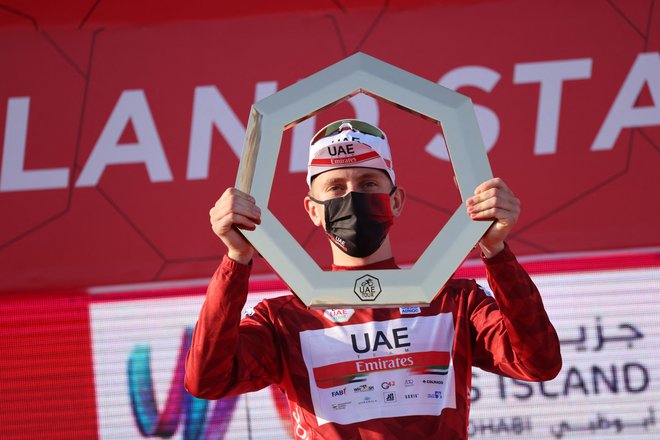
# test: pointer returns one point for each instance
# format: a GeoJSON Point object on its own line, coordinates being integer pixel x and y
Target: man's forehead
{"type": "Point", "coordinates": [347, 173]}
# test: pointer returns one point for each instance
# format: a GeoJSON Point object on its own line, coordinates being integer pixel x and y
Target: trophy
{"type": "Point", "coordinates": [361, 73]}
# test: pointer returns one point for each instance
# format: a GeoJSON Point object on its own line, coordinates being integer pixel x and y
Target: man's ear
{"type": "Point", "coordinates": [397, 200]}
{"type": "Point", "coordinates": [313, 210]}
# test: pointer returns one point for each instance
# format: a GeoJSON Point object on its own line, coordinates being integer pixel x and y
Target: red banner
{"type": "Point", "coordinates": [116, 141]}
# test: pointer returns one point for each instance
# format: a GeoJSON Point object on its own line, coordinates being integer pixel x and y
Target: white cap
{"type": "Point", "coordinates": [353, 144]}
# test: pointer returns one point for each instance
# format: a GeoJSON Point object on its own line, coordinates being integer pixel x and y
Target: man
{"type": "Point", "coordinates": [369, 373]}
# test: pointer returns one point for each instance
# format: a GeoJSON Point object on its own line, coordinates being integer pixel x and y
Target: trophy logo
{"type": "Point", "coordinates": [367, 288]}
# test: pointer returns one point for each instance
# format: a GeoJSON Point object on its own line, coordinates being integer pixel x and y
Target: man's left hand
{"type": "Point", "coordinates": [493, 200]}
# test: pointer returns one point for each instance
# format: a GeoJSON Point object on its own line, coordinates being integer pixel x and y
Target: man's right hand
{"type": "Point", "coordinates": [235, 209]}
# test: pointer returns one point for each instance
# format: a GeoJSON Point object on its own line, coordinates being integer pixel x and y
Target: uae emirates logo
{"type": "Point", "coordinates": [367, 288]}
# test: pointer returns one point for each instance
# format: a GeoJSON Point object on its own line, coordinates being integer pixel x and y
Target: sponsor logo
{"type": "Point", "coordinates": [387, 385]}
{"type": "Point", "coordinates": [341, 392]}
{"type": "Point", "coordinates": [435, 395]}
{"type": "Point", "coordinates": [391, 363]}
{"type": "Point", "coordinates": [340, 406]}
{"type": "Point", "coordinates": [334, 150]}
{"type": "Point", "coordinates": [363, 388]}
{"type": "Point", "coordinates": [411, 396]}
{"type": "Point", "coordinates": [343, 161]}
{"type": "Point", "coordinates": [433, 381]}
{"type": "Point", "coordinates": [339, 374]}
{"type": "Point", "coordinates": [409, 382]}
{"type": "Point", "coordinates": [367, 288]}
{"type": "Point", "coordinates": [397, 338]}
{"type": "Point", "coordinates": [338, 315]}
{"type": "Point", "coordinates": [389, 397]}
{"type": "Point", "coordinates": [410, 310]}
{"type": "Point", "coordinates": [366, 400]}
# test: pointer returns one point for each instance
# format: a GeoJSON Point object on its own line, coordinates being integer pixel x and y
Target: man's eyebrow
{"type": "Point", "coordinates": [334, 181]}
{"type": "Point", "coordinates": [367, 175]}
{"type": "Point", "coordinates": [372, 174]}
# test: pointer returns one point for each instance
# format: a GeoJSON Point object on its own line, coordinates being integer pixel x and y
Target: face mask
{"type": "Point", "coordinates": [358, 223]}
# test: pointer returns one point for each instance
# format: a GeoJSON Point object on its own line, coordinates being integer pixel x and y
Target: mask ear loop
{"type": "Point", "coordinates": [314, 200]}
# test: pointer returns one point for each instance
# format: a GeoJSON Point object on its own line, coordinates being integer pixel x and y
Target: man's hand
{"type": "Point", "coordinates": [493, 200]}
{"type": "Point", "coordinates": [235, 209]}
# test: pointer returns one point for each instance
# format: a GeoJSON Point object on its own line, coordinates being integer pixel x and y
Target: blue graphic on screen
{"type": "Point", "coordinates": [179, 404]}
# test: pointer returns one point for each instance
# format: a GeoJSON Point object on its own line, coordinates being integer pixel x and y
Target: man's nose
{"type": "Point", "coordinates": [351, 187]}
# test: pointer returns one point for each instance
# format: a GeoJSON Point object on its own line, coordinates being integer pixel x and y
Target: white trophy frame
{"type": "Point", "coordinates": [361, 73]}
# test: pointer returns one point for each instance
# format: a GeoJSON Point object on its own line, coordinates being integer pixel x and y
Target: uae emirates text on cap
{"type": "Point", "coordinates": [349, 143]}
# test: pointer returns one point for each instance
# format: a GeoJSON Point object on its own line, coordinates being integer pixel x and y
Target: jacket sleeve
{"type": "Point", "coordinates": [228, 355]}
{"type": "Point", "coordinates": [513, 335]}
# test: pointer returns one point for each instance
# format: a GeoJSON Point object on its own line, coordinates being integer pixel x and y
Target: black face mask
{"type": "Point", "coordinates": [358, 223]}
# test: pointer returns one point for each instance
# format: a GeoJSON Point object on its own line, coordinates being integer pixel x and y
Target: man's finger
{"type": "Point", "coordinates": [237, 205]}
{"type": "Point", "coordinates": [218, 215]}
{"type": "Point", "coordinates": [495, 182]}
{"type": "Point", "coordinates": [495, 202]}
{"type": "Point", "coordinates": [492, 198]}
{"type": "Point", "coordinates": [224, 224]}
{"type": "Point", "coordinates": [234, 192]}
{"type": "Point", "coordinates": [498, 214]}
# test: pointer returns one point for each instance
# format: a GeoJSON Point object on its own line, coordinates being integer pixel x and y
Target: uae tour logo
{"type": "Point", "coordinates": [367, 288]}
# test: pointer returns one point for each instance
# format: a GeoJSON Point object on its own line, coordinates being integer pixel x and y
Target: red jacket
{"type": "Point", "coordinates": [373, 373]}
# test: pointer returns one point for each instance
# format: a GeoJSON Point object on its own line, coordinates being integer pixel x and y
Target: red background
{"type": "Point", "coordinates": [75, 66]}
{"type": "Point", "coordinates": [74, 60]}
